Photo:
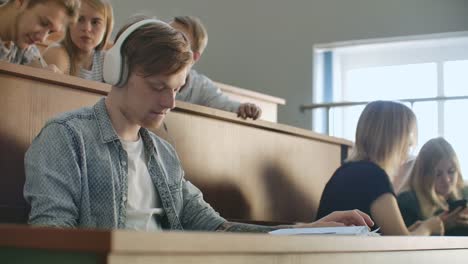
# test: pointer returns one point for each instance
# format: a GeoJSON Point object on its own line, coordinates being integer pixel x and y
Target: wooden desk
{"type": "Point", "coordinates": [269, 104]}
{"type": "Point", "coordinates": [254, 170]}
{"type": "Point", "coordinates": [21, 244]}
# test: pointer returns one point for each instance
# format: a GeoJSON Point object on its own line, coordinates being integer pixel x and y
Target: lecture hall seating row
{"type": "Point", "coordinates": [247, 170]}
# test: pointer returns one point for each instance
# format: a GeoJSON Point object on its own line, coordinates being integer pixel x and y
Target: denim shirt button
{"type": "Point", "coordinates": [124, 198]}
{"type": "Point", "coordinates": [124, 163]}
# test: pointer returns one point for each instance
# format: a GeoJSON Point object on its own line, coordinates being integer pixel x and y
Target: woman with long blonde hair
{"type": "Point", "coordinates": [25, 23]}
{"type": "Point", "coordinates": [81, 52]}
{"type": "Point", "coordinates": [434, 182]}
{"type": "Point", "coordinates": [385, 133]}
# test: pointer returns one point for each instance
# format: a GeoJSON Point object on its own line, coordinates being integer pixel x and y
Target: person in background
{"type": "Point", "coordinates": [434, 182]}
{"type": "Point", "coordinates": [24, 23]}
{"type": "Point", "coordinates": [101, 167]}
{"type": "Point", "coordinates": [402, 175]}
{"type": "Point", "coordinates": [385, 132]}
{"type": "Point", "coordinates": [81, 52]}
{"type": "Point", "coordinates": [199, 89]}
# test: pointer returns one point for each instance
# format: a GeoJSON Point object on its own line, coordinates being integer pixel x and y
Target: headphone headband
{"type": "Point", "coordinates": [115, 70]}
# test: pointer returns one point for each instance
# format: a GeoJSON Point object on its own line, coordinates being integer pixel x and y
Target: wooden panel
{"type": "Point", "coordinates": [418, 257]}
{"type": "Point", "coordinates": [37, 256]}
{"type": "Point", "coordinates": [250, 173]}
{"type": "Point", "coordinates": [22, 236]}
{"type": "Point", "coordinates": [25, 106]}
{"type": "Point", "coordinates": [194, 247]}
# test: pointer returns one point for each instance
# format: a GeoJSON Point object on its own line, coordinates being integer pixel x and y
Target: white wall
{"type": "Point", "coordinates": [266, 45]}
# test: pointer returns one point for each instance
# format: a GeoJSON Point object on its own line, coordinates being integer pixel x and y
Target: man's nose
{"type": "Point", "coordinates": [169, 101]}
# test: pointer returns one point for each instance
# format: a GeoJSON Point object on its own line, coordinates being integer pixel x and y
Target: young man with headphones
{"type": "Point", "coordinates": [101, 167]}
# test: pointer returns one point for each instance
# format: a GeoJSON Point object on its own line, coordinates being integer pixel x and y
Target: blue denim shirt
{"type": "Point", "coordinates": [76, 176]}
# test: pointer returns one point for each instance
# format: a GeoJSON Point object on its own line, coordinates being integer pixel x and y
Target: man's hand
{"type": "Point", "coordinates": [248, 110]}
{"type": "Point", "coordinates": [347, 218]}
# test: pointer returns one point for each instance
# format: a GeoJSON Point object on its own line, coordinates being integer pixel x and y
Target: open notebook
{"type": "Point", "coordinates": [341, 230]}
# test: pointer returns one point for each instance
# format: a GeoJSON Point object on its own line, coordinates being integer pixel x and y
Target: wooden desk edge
{"type": "Point", "coordinates": [121, 241]}
{"type": "Point", "coordinates": [101, 88]}
{"type": "Point", "coordinates": [78, 240]}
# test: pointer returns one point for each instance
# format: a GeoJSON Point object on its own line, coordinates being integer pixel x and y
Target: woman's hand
{"type": "Point", "coordinates": [458, 217]}
{"type": "Point", "coordinates": [430, 226]}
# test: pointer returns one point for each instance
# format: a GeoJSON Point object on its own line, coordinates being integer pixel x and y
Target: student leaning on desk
{"type": "Point", "coordinates": [23, 23]}
{"type": "Point", "coordinates": [101, 167]}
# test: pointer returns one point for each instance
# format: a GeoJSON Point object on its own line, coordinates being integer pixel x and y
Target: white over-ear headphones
{"type": "Point", "coordinates": [115, 69]}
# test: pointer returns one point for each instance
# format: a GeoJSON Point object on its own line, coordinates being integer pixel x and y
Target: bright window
{"type": "Point", "coordinates": [422, 68]}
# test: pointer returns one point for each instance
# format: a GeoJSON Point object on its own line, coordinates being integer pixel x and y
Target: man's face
{"type": "Point", "coordinates": [34, 24]}
{"type": "Point", "coordinates": [89, 30]}
{"type": "Point", "coordinates": [147, 100]}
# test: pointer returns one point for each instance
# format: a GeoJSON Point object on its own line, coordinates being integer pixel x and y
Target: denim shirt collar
{"type": "Point", "coordinates": [108, 133]}
{"type": "Point", "coordinates": [106, 129]}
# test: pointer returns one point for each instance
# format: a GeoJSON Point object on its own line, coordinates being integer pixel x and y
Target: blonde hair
{"type": "Point", "coordinates": [103, 6]}
{"type": "Point", "coordinates": [423, 176]}
{"type": "Point", "coordinates": [71, 6]}
{"type": "Point", "coordinates": [384, 134]}
{"type": "Point", "coordinates": [198, 31]}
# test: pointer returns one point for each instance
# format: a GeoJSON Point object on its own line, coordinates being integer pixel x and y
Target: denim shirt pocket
{"type": "Point", "coordinates": [175, 190]}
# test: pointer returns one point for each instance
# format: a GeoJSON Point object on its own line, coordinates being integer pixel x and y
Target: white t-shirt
{"type": "Point", "coordinates": [143, 204]}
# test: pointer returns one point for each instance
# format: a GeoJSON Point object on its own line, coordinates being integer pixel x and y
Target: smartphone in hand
{"type": "Point", "coordinates": [457, 203]}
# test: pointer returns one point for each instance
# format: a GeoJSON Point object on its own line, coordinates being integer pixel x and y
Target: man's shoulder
{"type": "Point", "coordinates": [74, 117]}
{"type": "Point", "coordinates": [197, 77]}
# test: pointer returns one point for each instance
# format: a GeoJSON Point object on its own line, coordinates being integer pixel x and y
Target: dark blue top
{"type": "Point", "coordinates": [411, 212]}
{"type": "Point", "coordinates": [355, 185]}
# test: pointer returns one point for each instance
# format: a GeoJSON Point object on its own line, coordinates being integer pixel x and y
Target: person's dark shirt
{"type": "Point", "coordinates": [411, 212]}
{"type": "Point", "coordinates": [355, 185]}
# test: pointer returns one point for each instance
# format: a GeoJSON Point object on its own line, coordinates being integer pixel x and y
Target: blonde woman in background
{"type": "Point", "coordinates": [434, 182]}
{"type": "Point", "coordinates": [24, 23]}
{"type": "Point", "coordinates": [81, 53]}
{"type": "Point", "coordinates": [385, 133]}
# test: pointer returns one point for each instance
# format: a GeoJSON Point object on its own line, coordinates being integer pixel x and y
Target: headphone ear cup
{"type": "Point", "coordinates": [124, 73]}
{"type": "Point", "coordinates": [112, 66]}
{"type": "Point", "coordinates": [115, 69]}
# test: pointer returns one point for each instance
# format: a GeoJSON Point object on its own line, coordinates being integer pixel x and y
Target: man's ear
{"type": "Point", "coordinates": [196, 56]}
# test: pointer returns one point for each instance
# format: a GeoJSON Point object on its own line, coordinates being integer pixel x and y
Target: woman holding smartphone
{"type": "Point", "coordinates": [435, 187]}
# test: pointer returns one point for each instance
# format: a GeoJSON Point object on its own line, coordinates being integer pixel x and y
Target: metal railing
{"type": "Point", "coordinates": [328, 106]}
